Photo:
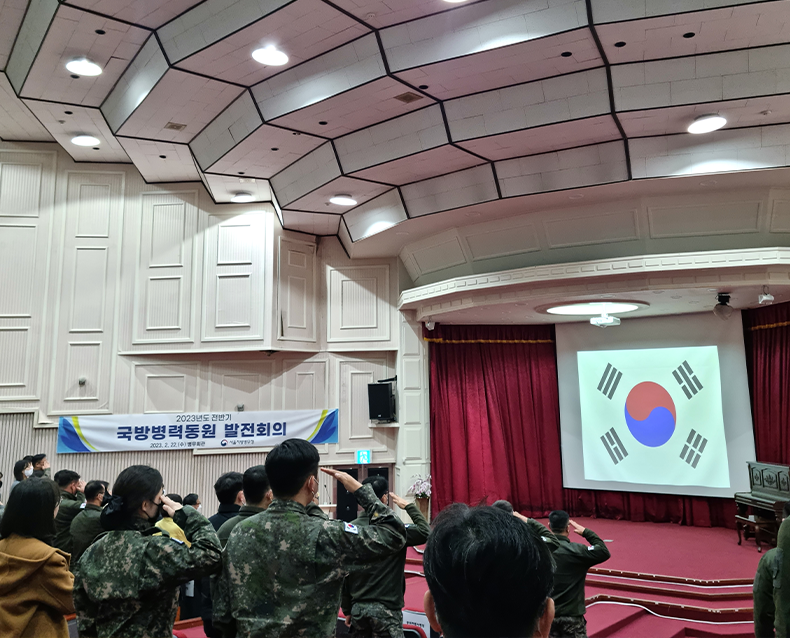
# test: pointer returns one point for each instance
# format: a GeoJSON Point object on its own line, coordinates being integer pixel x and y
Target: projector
{"type": "Point", "coordinates": [604, 321]}
{"type": "Point", "coordinates": [766, 299]}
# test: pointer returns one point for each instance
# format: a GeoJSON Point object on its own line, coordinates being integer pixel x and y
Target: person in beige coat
{"type": "Point", "coordinates": [35, 582]}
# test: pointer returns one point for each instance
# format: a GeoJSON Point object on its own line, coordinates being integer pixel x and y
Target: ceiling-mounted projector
{"type": "Point", "coordinates": [604, 321]}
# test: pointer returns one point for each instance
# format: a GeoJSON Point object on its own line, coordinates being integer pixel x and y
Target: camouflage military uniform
{"type": "Point", "coordinates": [126, 583]}
{"type": "Point", "coordinates": [282, 569]}
{"type": "Point", "coordinates": [569, 627]}
{"type": "Point", "coordinates": [374, 620]}
{"type": "Point", "coordinates": [70, 506]}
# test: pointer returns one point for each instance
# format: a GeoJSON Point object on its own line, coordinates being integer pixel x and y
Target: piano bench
{"type": "Point", "coordinates": [758, 526]}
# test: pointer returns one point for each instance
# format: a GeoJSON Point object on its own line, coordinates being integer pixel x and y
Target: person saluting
{"type": "Point", "coordinates": [126, 583]}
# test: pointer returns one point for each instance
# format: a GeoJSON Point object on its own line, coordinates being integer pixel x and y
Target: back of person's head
{"type": "Point", "coordinates": [28, 458]}
{"type": "Point", "coordinates": [64, 478]}
{"type": "Point", "coordinates": [191, 499]}
{"type": "Point", "coordinates": [289, 465]}
{"type": "Point", "coordinates": [19, 469]}
{"type": "Point", "coordinates": [786, 510]}
{"type": "Point", "coordinates": [135, 485]}
{"type": "Point", "coordinates": [94, 489]}
{"type": "Point", "coordinates": [30, 510]}
{"type": "Point", "coordinates": [379, 484]}
{"type": "Point", "coordinates": [37, 458]}
{"type": "Point", "coordinates": [227, 487]}
{"type": "Point", "coordinates": [175, 497]}
{"type": "Point", "coordinates": [504, 505]}
{"type": "Point", "coordinates": [558, 520]}
{"type": "Point", "coordinates": [256, 484]}
{"type": "Point", "coordinates": [488, 574]}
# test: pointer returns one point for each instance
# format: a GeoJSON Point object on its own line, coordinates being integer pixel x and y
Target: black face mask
{"type": "Point", "coordinates": [160, 512]}
{"type": "Point", "coordinates": [107, 498]}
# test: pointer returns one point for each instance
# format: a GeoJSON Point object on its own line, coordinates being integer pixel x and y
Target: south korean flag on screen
{"type": "Point", "coordinates": [653, 416]}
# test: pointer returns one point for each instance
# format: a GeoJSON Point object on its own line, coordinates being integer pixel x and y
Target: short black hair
{"type": "Point", "coordinates": [489, 575]}
{"type": "Point", "coordinates": [256, 484]}
{"type": "Point", "coordinates": [504, 505]}
{"type": "Point", "coordinates": [37, 458]}
{"type": "Point", "coordinates": [227, 487]}
{"type": "Point", "coordinates": [64, 478]}
{"type": "Point", "coordinates": [19, 469]}
{"type": "Point", "coordinates": [175, 497]}
{"type": "Point", "coordinates": [191, 499]}
{"type": "Point", "coordinates": [289, 465]}
{"type": "Point", "coordinates": [136, 484]}
{"type": "Point", "coordinates": [786, 510]}
{"type": "Point", "coordinates": [379, 484]}
{"type": "Point", "coordinates": [558, 520]}
{"type": "Point", "coordinates": [30, 510]}
{"type": "Point", "coordinates": [28, 458]}
{"type": "Point", "coordinates": [93, 488]}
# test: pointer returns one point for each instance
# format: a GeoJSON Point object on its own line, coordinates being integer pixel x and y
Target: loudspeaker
{"type": "Point", "coordinates": [381, 402]}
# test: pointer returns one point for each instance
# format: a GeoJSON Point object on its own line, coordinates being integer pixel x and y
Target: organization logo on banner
{"type": "Point", "coordinates": [192, 430]}
{"type": "Point", "coordinates": [653, 416]}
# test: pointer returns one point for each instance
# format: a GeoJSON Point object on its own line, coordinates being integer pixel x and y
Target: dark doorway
{"type": "Point", "coordinates": [346, 503]}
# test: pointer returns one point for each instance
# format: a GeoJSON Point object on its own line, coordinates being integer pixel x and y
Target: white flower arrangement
{"type": "Point", "coordinates": [421, 488]}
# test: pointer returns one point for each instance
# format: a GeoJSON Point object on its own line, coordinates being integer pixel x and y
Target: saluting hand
{"type": "Point", "coordinates": [348, 481]}
{"type": "Point", "coordinates": [576, 527]}
{"type": "Point", "coordinates": [170, 506]}
{"type": "Point", "coordinates": [397, 500]}
{"type": "Point", "coordinates": [520, 516]}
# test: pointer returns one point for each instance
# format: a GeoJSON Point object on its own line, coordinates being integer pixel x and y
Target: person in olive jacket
{"type": "Point", "coordinates": [372, 599]}
{"type": "Point", "coordinates": [572, 562]}
{"type": "Point", "coordinates": [35, 582]}
{"type": "Point", "coordinates": [86, 526]}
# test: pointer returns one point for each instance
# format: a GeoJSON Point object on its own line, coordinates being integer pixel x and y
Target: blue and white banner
{"type": "Point", "coordinates": [194, 430]}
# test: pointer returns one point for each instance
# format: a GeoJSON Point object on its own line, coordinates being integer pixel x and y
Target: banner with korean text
{"type": "Point", "coordinates": [124, 433]}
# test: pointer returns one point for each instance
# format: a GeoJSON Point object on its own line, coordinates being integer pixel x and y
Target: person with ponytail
{"type": "Point", "coordinates": [126, 583]}
{"type": "Point", "coordinates": [35, 582]}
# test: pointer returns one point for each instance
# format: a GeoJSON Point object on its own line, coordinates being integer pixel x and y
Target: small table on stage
{"type": "Point", "coordinates": [759, 511]}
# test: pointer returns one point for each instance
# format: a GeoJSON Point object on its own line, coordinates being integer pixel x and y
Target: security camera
{"type": "Point", "coordinates": [604, 321]}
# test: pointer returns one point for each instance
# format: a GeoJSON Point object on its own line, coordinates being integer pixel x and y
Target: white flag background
{"type": "Point", "coordinates": [660, 465]}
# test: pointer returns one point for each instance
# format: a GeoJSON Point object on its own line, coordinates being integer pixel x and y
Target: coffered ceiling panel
{"type": "Point", "coordinates": [17, 123]}
{"type": "Point", "coordinates": [12, 12]}
{"type": "Point", "coordinates": [617, 10]}
{"type": "Point", "coordinates": [147, 13]}
{"type": "Point", "coordinates": [161, 161]}
{"type": "Point", "coordinates": [313, 223]}
{"type": "Point", "coordinates": [318, 200]}
{"type": "Point", "coordinates": [303, 29]}
{"type": "Point", "coordinates": [422, 165]}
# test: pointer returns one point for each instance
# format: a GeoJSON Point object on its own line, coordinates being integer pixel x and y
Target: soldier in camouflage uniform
{"type": "Point", "coordinates": [283, 569]}
{"type": "Point", "coordinates": [372, 598]}
{"type": "Point", "coordinates": [126, 583]}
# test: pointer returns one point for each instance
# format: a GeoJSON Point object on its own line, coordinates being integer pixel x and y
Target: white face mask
{"type": "Point", "coordinates": [28, 472]}
{"type": "Point", "coordinates": [200, 507]}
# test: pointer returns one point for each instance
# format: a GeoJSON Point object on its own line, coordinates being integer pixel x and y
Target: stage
{"type": "Point", "coordinates": [662, 581]}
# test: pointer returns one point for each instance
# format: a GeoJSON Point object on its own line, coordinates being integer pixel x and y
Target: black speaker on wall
{"type": "Point", "coordinates": [381, 402]}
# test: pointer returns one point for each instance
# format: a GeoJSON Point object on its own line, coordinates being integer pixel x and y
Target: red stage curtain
{"type": "Point", "coordinates": [495, 431]}
{"type": "Point", "coordinates": [767, 332]}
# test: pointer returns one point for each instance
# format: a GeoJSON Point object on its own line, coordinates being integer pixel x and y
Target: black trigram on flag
{"type": "Point", "coordinates": [687, 380]}
{"type": "Point", "coordinates": [614, 446]}
{"type": "Point", "coordinates": [609, 381]}
{"type": "Point", "coordinates": [693, 449]}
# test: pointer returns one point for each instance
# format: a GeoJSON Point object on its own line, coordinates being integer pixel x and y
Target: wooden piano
{"type": "Point", "coordinates": [759, 511]}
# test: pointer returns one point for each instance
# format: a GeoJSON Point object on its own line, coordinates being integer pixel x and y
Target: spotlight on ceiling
{"type": "Point", "coordinates": [83, 66]}
{"type": "Point", "coordinates": [722, 310]}
{"type": "Point", "coordinates": [343, 200]}
{"type": "Point", "coordinates": [707, 124]}
{"type": "Point", "coordinates": [85, 140]}
{"type": "Point", "coordinates": [605, 321]}
{"type": "Point", "coordinates": [242, 197]}
{"type": "Point", "coordinates": [270, 56]}
{"type": "Point", "coordinates": [430, 325]}
{"type": "Point", "coordinates": [766, 298]}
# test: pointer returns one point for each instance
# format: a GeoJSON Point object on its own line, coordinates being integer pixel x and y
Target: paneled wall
{"type": "Point", "coordinates": [121, 297]}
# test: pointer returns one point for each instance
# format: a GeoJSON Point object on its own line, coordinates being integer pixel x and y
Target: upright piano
{"type": "Point", "coordinates": [759, 511]}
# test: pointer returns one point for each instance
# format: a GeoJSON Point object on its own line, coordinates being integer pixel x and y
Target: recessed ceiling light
{"type": "Point", "coordinates": [455, 1]}
{"type": "Point", "coordinates": [343, 200]}
{"type": "Point", "coordinates": [593, 308]}
{"type": "Point", "coordinates": [242, 197]}
{"type": "Point", "coordinates": [688, 35]}
{"type": "Point", "coordinates": [83, 66]}
{"type": "Point", "coordinates": [620, 44]}
{"type": "Point", "coordinates": [566, 54]}
{"type": "Point", "coordinates": [706, 124]}
{"type": "Point", "coordinates": [270, 56]}
{"type": "Point", "coordinates": [577, 196]}
{"type": "Point", "coordinates": [85, 140]}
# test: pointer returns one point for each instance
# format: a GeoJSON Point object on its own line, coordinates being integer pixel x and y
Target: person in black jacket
{"type": "Point", "coordinates": [572, 562]}
{"type": "Point", "coordinates": [229, 490]}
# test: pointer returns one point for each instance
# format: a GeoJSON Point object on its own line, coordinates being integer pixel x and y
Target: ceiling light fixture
{"type": "Point", "coordinates": [270, 56]}
{"type": "Point", "coordinates": [454, 1]}
{"type": "Point", "coordinates": [766, 298]}
{"type": "Point", "coordinates": [604, 321]}
{"type": "Point", "coordinates": [85, 140]}
{"type": "Point", "coordinates": [242, 197]}
{"type": "Point", "coordinates": [722, 310]}
{"type": "Point", "coordinates": [83, 66]}
{"type": "Point", "coordinates": [707, 124]}
{"type": "Point", "coordinates": [343, 200]}
{"type": "Point", "coordinates": [587, 309]}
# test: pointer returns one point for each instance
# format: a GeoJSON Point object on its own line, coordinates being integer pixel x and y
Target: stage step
{"type": "Point", "coordinates": [661, 588]}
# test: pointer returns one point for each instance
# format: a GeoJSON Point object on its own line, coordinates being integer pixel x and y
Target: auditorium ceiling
{"type": "Point", "coordinates": [410, 108]}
